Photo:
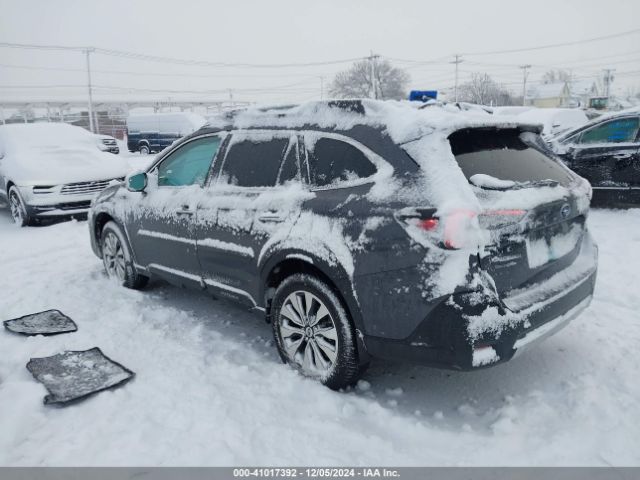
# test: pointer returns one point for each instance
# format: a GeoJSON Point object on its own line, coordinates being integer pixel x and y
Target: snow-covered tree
{"type": "Point", "coordinates": [391, 82]}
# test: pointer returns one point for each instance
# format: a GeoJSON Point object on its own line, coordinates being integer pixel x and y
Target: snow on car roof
{"type": "Point", "coordinates": [20, 136]}
{"type": "Point", "coordinates": [404, 121]}
{"type": "Point", "coordinates": [606, 116]}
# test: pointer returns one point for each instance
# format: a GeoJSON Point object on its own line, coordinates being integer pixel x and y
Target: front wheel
{"type": "Point", "coordinates": [144, 149]}
{"type": "Point", "coordinates": [313, 332]}
{"type": "Point", "coordinates": [117, 258]}
{"type": "Point", "coordinates": [18, 208]}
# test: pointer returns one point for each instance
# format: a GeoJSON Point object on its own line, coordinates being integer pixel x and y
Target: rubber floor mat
{"type": "Point", "coordinates": [49, 322]}
{"type": "Point", "coordinates": [74, 375]}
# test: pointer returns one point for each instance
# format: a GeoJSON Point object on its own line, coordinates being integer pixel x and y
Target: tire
{"type": "Point", "coordinates": [18, 209]}
{"type": "Point", "coordinates": [117, 258]}
{"type": "Point", "coordinates": [144, 149]}
{"type": "Point", "coordinates": [322, 347]}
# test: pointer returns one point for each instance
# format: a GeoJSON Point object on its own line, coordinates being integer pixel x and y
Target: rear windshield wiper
{"type": "Point", "coordinates": [537, 183]}
{"type": "Point", "coordinates": [490, 183]}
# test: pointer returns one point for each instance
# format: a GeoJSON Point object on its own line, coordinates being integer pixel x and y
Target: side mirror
{"type": "Point", "coordinates": [137, 182]}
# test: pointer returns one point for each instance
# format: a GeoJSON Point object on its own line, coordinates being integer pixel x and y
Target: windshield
{"type": "Point", "coordinates": [506, 154]}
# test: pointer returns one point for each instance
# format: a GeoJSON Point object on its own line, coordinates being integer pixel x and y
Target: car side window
{"type": "Point", "coordinates": [332, 162]}
{"type": "Point", "coordinates": [189, 164]}
{"type": "Point", "coordinates": [254, 162]}
{"type": "Point", "coordinates": [613, 131]}
{"type": "Point", "coordinates": [290, 169]}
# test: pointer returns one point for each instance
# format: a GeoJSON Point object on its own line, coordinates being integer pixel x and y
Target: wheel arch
{"type": "Point", "coordinates": [291, 261]}
{"type": "Point", "coordinates": [100, 219]}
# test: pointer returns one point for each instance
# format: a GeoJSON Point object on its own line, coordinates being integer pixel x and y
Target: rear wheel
{"type": "Point", "coordinates": [313, 332]}
{"type": "Point", "coordinates": [144, 149]}
{"type": "Point", "coordinates": [117, 258]}
{"type": "Point", "coordinates": [18, 208]}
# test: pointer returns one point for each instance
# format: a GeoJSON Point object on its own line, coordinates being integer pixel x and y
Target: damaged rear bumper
{"type": "Point", "coordinates": [465, 333]}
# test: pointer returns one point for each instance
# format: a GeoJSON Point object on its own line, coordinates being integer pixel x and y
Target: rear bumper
{"type": "Point", "coordinates": [462, 333]}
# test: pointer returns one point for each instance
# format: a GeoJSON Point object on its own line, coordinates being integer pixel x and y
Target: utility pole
{"type": "Point", "coordinates": [457, 61]}
{"type": "Point", "coordinates": [321, 88]}
{"type": "Point", "coordinates": [88, 53]}
{"type": "Point", "coordinates": [525, 74]}
{"type": "Point", "coordinates": [608, 79]}
{"type": "Point", "coordinates": [231, 98]}
{"type": "Point", "coordinates": [374, 87]}
{"type": "Point", "coordinates": [2, 114]}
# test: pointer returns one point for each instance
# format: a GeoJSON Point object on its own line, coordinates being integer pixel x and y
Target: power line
{"type": "Point", "coordinates": [157, 74]}
{"type": "Point", "coordinates": [177, 61]}
{"type": "Point", "coordinates": [556, 45]}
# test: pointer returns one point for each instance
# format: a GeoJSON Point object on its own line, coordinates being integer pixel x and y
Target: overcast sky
{"type": "Point", "coordinates": [286, 32]}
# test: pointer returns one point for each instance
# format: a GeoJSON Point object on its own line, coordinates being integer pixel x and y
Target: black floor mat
{"type": "Point", "coordinates": [72, 375]}
{"type": "Point", "coordinates": [50, 322]}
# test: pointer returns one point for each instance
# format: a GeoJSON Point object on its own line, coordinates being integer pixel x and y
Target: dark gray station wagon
{"type": "Point", "coordinates": [330, 234]}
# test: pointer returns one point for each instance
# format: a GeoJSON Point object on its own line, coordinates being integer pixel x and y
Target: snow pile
{"type": "Point", "coordinates": [540, 251]}
{"type": "Point", "coordinates": [487, 181]}
{"type": "Point", "coordinates": [484, 356]}
{"type": "Point", "coordinates": [554, 121]}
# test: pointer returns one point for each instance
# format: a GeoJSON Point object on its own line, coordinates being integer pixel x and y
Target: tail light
{"type": "Point", "coordinates": [460, 228]}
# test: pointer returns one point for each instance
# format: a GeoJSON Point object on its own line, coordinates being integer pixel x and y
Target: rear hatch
{"type": "Point", "coordinates": [533, 207]}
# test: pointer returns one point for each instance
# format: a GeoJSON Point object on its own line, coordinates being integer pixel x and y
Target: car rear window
{"type": "Point", "coordinates": [506, 154]}
{"type": "Point", "coordinates": [334, 161]}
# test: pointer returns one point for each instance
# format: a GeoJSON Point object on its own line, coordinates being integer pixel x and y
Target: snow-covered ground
{"type": "Point", "coordinates": [210, 389]}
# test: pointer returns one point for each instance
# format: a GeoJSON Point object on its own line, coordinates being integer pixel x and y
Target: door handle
{"type": "Point", "coordinates": [622, 156]}
{"type": "Point", "coordinates": [184, 210]}
{"type": "Point", "coordinates": [274, 217]}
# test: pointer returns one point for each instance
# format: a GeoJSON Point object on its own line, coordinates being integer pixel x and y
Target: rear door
{"type": "Point", "coordinates": [249, 200]}
{"type": "Point", "coordinates": [607, 155]}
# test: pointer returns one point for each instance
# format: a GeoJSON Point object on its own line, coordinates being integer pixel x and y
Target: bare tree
{"type": "Point", "coordinates": [555, 76]}
{"type": "Point", "coordinates": [483, 90]}
{"type": "Point", "coordinates": [391, 82]}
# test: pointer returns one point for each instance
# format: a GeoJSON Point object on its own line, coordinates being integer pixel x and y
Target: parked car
{"type": "Point", "coordinates": [606, 152]}
{"type": "Point", "coordinates": [154, 132]}
{"type": "Point", "coordinates": [107, 143]}
{"type": "Point", "coordinates": [52, 170]}
{"type": "Point", "coordinates": [555, 121]}
{"type": "Point", "coordinates": [363, 229]}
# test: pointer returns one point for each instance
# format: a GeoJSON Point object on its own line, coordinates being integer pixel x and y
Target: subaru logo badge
{"type": "Point", "coordinates": [565, 211]}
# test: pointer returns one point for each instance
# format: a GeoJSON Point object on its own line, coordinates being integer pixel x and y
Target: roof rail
{"type": "Point", "coordinates": [354, 106]}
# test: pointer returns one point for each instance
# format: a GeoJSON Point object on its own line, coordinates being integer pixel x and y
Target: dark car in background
{"type": "Point", "coordinates": [363, 229]}
{"type": "Point", "coordinates": [606, 152]}
{"type": "Point", "coordinates": [151, 133]}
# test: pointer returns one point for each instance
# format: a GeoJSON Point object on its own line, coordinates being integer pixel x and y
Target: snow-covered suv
{"type": "Point", "coordinates": [363, 229]}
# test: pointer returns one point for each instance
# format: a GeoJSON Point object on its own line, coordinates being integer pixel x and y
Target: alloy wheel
{"type": "Point", "coordinates": [16, 208]}
{"type": "Point", "coordinates": [308, 333]}
{"type": "Point", "coordinates": [113, 254]}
